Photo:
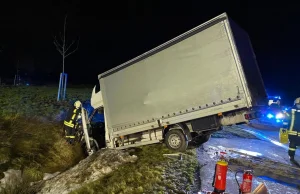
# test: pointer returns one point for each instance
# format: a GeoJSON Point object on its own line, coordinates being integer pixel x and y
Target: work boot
{"type": "Point", "coordinates": [292, 158]}
{"type": "Point", "coordinates": [295, 163]}
{"type": "Point", "coordinates": [71, 141]}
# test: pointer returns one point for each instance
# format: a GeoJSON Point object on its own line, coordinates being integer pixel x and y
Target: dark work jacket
{"type": "Point", "coordinates": [292, 122]}
{"type": "Point", "coordinates": [71, 117]}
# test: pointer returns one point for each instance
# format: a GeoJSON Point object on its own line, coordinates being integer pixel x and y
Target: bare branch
{"type": "Point", "coordinates": [62, 47]}
{"type": "Point", "coordinates": [68, 47]}
{"type": "Point", "coordinates": [56, 41]}
{"type": "Point", "coordinates": [64, 42]}
{"type": "Point", "coordinates": [61, 38]}
{"type": "Point", "coordinates": [74, 49]}
{"type": "Point", "coordinates": [58, 48]}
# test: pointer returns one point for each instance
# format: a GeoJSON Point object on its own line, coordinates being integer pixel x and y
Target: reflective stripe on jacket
{"type": "Point", "coordinates": [292, 123]}
{"type": "Point", "coordinates": [71, 118]}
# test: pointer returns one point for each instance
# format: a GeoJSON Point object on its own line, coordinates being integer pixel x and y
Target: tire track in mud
{"type": "Point", "coordinates": [263, 167]}
{"type": "Point", "coordinates": [280, 176]}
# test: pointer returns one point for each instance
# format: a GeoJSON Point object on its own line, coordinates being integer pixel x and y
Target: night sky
{"type": "Point", "coordinates": [112, 33]}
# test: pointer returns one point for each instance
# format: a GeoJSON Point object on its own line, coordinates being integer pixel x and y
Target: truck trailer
{"type": "Point", "coordinates": [184, 89]}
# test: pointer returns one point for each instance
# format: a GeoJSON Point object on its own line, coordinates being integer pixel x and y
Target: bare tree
{"type": "Point", "coordinates": [63, 47]}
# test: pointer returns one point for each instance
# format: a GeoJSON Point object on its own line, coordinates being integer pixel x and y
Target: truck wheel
{"type": "Point", "coordinates": [199, 140]}
{"type": "Point", "coordinates": [206, 138]}
{"type": "Point", "coordinates": [175, 140]}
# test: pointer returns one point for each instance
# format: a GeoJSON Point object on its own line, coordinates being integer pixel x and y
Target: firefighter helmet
{"type": "Point", "coordinates": [77, 104]}
{"type": "Point", "coordinates": [297, 101]}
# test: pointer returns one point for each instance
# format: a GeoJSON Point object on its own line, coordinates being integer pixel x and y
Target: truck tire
{"type": "Point", "coordinates": [199, 140]}
{"type": "Point", "coordinates": [206, 138]}
{"type": "Point", "coordinates": [175, 140]}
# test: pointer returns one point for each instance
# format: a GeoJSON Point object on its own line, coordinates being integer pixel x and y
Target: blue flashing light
{"type": "Point", "coordinates": [270, 116]}
{"type": "Point", "coordinates": [278, 121]}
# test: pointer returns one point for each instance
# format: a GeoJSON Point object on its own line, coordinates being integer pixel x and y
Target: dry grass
{"type": "Point", "coordinates": [141, 177]}
{"type": "Point", "coordinates": [37, 101]}
{"type": "Point", "coordinates": [29, 142]}
{"type": "Point", "coordinates": [152, 173]}
{"type": "Point", "coordinates": [32, 145]}
{"type": "Point", "coordinates": [36, 146]}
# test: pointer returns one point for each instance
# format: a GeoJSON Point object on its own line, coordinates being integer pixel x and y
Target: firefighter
{"type": "Point", "coordinates": [70, 123]}
{"type": "Point", "coordinates": [292, 123]}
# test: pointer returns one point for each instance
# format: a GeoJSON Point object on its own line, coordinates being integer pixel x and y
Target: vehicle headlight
{"type": "Point", "coordinates": [279, 116]}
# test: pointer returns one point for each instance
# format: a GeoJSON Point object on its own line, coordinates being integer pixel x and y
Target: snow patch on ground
{"type": "Point", "coordinates": [208, 154]}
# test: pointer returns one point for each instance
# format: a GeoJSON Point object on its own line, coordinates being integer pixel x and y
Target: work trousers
{"type": "Point", "coordinates": [294, 142]}
{"type": "Point", "coordinates": [70, 134]}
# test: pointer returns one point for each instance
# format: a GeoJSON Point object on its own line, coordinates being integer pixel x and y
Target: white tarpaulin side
{"type": "Point", "coordinates": [196, 71]}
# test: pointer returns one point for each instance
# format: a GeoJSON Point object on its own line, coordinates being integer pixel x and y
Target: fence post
{"type": "Point", "coordinates": [59, 87]}
{"type": "Point", "coordinates": [65, 85]}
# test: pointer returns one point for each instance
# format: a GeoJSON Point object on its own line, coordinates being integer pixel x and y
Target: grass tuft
{"type": "Point", "coordinates": [35, 148]}
{"type": "Point", "coordinates": [144, 176]}
{"type": "Point", "coordinates": [152, 173]}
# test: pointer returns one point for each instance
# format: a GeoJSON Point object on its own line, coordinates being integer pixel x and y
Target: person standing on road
{"type": "Point", "coordinates": [292, 124]}
{"type": "Point", "coordinates": [70, 123]}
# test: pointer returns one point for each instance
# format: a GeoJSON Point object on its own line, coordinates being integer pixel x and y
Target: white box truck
{"type": "Point", "coordinates": [184, 89]}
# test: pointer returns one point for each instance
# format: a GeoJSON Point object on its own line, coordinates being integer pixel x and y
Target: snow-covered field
{"type": "Point", "coordinates": [264, 154]}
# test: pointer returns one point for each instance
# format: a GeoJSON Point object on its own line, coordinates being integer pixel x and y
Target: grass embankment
{"type": "Point", "coordinates": [36, 146]}
{"type": "Point", "coordinates": [32, 144]}
{"type": "Point", "coordinates": [37, 101]}
{"type": "Point", "coordinates": [152, 173]}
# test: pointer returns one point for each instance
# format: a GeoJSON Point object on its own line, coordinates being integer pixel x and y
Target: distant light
{"type": "Point", "coordinates": [270, 116]}
{"type": "Point", "coordinates": [279, 116]}
{"type": "Point", "coordinates": [27, 84]}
